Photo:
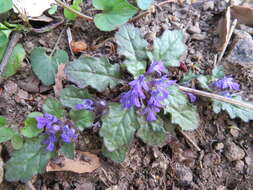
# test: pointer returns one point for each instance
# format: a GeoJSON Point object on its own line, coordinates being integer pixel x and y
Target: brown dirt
{"type": "Point", "coordinates": [178, 165]}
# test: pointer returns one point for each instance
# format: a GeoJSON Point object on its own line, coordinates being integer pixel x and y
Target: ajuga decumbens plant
{"type": "Point", "coordinates": [150, 106]}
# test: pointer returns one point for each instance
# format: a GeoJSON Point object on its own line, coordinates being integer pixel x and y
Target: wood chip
{"type": "Point", "coordinates": [243, 14]}
{"type": "Point", "coordinates": [223, 30]}
{"type": "Point", "coordinates": [58, 80]}
{"type": "Point", "coordinates": [85, 163]}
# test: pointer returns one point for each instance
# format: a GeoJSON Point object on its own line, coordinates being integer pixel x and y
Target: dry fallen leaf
{"type": "Point", "coordinates": [32, 8]}
{"type": "Point", "coordinates": [243, 14]}
{"type": "Point", "coordinates": [78, 46]}
{"type": "Point", "coordinates": [85, 163]}
{"type": "Point", "coordinates": [58, 80]}
{"type": "Point", "coordinates": [223, 30]}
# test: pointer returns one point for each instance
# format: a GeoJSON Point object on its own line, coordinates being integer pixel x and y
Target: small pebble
{"type": "Point", "coordinates": [198, 37]}
{"type": "Point", "coordinates": [239, 165]}
{"type": "Point", "coordinates": [233, 152]}
{"type": "Point", "coordinates": [234, 132]}
{"type": "Point", "coordinates": [184, 175]}
{"type": "Point", "coordinates": [219, 146]}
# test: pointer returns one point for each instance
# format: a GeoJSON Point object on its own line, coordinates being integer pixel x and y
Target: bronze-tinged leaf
{"type": "Point", "coordinates": [84, 163]}
{"type": "Point", "coordinates": [244, 14]}
{"type": "Point", "coordinates": [223, 30]}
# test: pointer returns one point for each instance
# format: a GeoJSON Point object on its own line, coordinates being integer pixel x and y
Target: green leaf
{"type": "Point", "coordinates": [71, 96]}
{"type": "Point", "coordinates": [30, 160]}
{"type": "Point", "coordinates": [44, 66]}
{"type": "Point", "coordinates": [14, 63]}
{"type": "Point", "coordinates": [61, 57]}
{"type": "Point", "coordinates": [6, 134]}
{"type": "Point", "coordinates": [69, 15]}
{"type": "Point", "coordinates": [115, 13]}
{"type": "Point", "coordinates": [168, 48]}
{"type": "Point", "coordinates": [34, 114]}
{"type": "Point", "coordinates": [82, 118]}
{"type": "Point", "coordinates": [189, 76]}
{"type": "Point", "coordinates": [185, 116]}
{"type": "Point", "coordinates": [17, 142]}
{"type": "Point", "coordinates": [92, 71]}
{"type": "Point", "coordinates": [118, 155]}
{"type": "Point", "coordinates": [4, 42]}
{"type": "Point", "coordinates": [152, 133]}
{"type": "Point", "coordinates": [31, 130]}
{"type": "Point", "coordinates": [144, 4]}
{"type": "Point", "coordinates": [53, 107]}
{"type": "Point", "coordinates": [204, 81]}
{"type": "Point", "coordinates": [217, 73]}
{"type": "Point", "coordinates": [182, 113]}
{"type": "Point", "coordinates": [68, 150]}
{"type": "Point", "coordinates": [132, 45]}
{"type": "Point", "coordinates": [233, 111]}
{"type": "Point", "coordinates": [52, 10]}
{"type": "Point", "coordinates": [3, 121]}
{"type": "Point", "coordinates": [5, 5]}
{"type": "Point", "coordinates": [176, 97]}
{"type": "Point", "coordinates": [118, 126]}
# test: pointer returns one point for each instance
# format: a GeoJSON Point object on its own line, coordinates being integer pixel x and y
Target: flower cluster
{"type": "Point", "coordinates": [148, 92]}
{"type": "Point", "coordinates": [87, 104]}
{"type": "Point", "coordinates": [54, 129]}
{"type": "Point", "coordinates": [226, 83]}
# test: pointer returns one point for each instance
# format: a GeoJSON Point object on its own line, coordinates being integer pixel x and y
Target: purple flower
{"type": "Point", "coordinates": [191, 97]}
{"type": "Point", "coordinates": [157, 66]}
{"type": "Point", "coordinates": [68, 134]}
{"type": "Point", "coordinates": [45, 120]}
{"type": "Point", "coordinates": [50, 141]}
{"type": "Point", "coordinates": [134, 96]}
{"type": "Point", "coordinates": [227, 83]}
{"type": "Point", "coordinates": [86, 105]}
{"type": "Point", "coordinates": [226, 94]}
{"type": "Point", "coordinates": [150, 112]}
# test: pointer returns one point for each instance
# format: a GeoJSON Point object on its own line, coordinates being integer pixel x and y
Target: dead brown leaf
{"type": "Point", "coordinates": [243, 14]}
{"type": "Point", "coordinates": [58, 80]}
{"type": "Point", "coordinates": [223, 30]}
{"type": "Point", "coordinates": [78, 46]}
{"type": "Point", "coordinates": [85, 163]}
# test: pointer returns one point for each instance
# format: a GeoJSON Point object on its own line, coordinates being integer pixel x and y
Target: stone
{"type": "Point", "coordinates": [10, 88]}
{"type": "Point", "coordinates": [198, 37]}
{"type": "Point", "coordinates": [194, 29]}
{"type": "Point", "coordinates": [241, 52]}
{"type": "Point", "coordinates": [219, 146]}
{"type": "Point", "coordinates": [234, 132]}
{"type": "Point", "coordinates": [184, 175]}
{"type": "Point", "coordinates": [233, 152]}
{"type": "Point", "coordinates": [239, 165]}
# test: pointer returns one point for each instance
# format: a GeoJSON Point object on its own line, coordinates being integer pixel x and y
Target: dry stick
{"type": "Point", "coordinates": [148, 11]}
{"type": "Point", "coordinates": [57, 42]}
{"type": "Point", "coordinates": [232, 28]}
{"type": "Point", "coordinates": [12, 43]}
{"type": "Point", "coordinates": [190, 140]}
{"type": "Point", "coordinates": [217, 97]}
{"type": "Point", "coordinates": [65, 6]}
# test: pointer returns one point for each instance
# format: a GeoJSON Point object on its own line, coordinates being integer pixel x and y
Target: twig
{"type": "Point", "coordinates": [70, 39]}
{"type": "Point", "coordinates": [57, 42]}
{"type": "Point", "coordinates": [12, 43]}
{"type": "Point", "coordinates": [231, 31]}
{"type": "Point", "coordinates": [149, 11]}
{"type": "Point", "coordinates": [217, 97]}
{"type": "Point", "coordinates": [190, 140]}
{"type": "Point", "coordinates": [65, 6]}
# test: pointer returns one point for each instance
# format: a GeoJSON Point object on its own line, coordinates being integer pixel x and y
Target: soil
{"type": "Point", "coordinates": [223, 155]}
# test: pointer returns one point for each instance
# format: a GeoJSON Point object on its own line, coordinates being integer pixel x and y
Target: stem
{"type": "Point", "coordinates": [65, 6]}
{"type": "Point", "coordinates": [8, 52]}
{"type": "Point", "coordinates": [216, 97]}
